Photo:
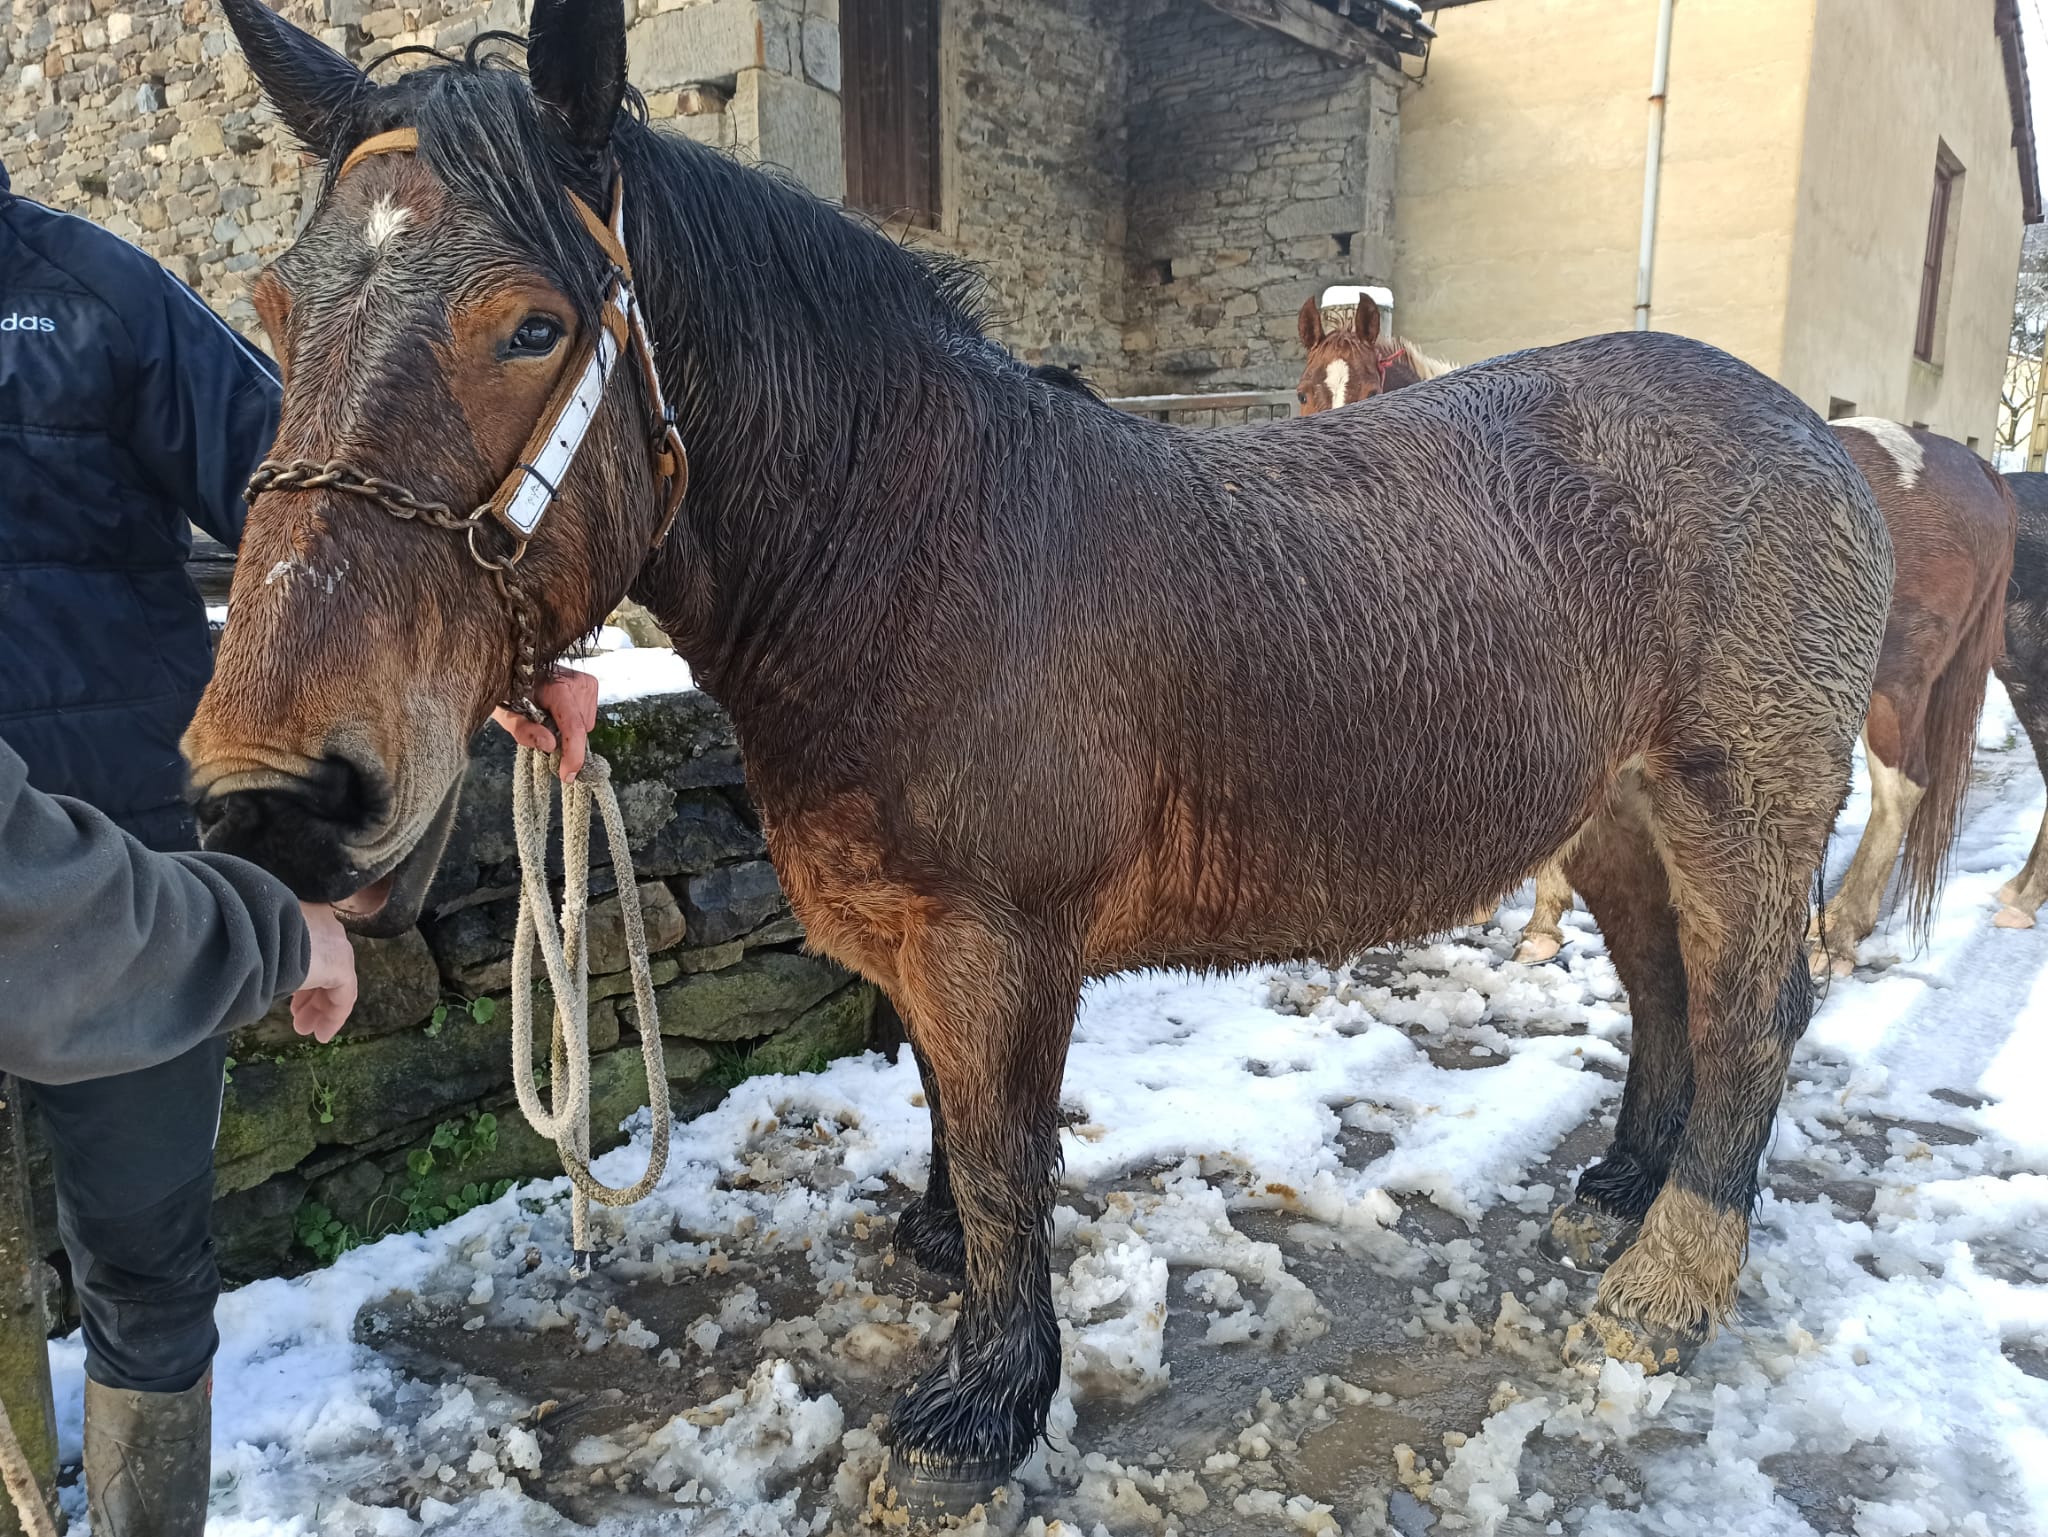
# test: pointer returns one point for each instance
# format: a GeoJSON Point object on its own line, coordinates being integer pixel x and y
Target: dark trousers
{"type": "Point", "coordinates": [134, 1173]}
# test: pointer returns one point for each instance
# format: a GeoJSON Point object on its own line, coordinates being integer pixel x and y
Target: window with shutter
{"type": "Point", "coordinates": [889, 94]}
{"type": "Point", "coordinates": [1948, 176]}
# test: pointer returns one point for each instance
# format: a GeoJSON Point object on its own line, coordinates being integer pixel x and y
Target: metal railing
{"type": "Point", "coordinates": [1220, 408]}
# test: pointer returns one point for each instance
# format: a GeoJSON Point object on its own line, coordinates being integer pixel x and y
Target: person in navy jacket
{"type": "Point", "coordinates": [128, 412]}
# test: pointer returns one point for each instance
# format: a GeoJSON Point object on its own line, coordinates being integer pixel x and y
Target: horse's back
{"type": "Point", "coordinates": [1943, 506]}
{"type": "Point", "coordinates": [1634, 496]}
{"type": "Point", "coordinates": [1401, 648]}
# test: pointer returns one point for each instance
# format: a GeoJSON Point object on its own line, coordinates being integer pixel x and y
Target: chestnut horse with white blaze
{"type": "Point", "coordinates": [1952, 524]}
{"type": "Point", "coordinates": [1030, 690]}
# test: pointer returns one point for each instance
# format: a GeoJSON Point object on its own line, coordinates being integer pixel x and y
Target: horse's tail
{"type": "Point", "coordinates": [1950, 731]}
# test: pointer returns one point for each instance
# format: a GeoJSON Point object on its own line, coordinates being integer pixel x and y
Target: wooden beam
{"type": "Point", "coordinates": [1307, 22]}
{"type": "Point", "coordinates": [1219, 400]}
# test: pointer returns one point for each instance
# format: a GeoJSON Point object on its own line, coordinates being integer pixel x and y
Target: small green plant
{"type": "Point", "coordinates": [482, 1010]}
{"type": "Point", "coordinates": [729, 1067]}
{"type": "Point", "coordinates": [732, 1066]}
{"type": "Point", "coordinates": [476, 1194]}
{"type": "Point", "coordinates": [227, 1073]}
{"type": "Point", "coordinates": [466, 1140]}
{"type": "Point", "coordinates": [323, 1102]}
{"type": "Point", "coordinates": [325, 1235]}
{"type": "Point", "coordinates": [462, 1142]}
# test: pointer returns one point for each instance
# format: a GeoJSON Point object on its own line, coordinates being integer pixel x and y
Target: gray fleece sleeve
{"type": "Point", "coordinates": [115, 958]}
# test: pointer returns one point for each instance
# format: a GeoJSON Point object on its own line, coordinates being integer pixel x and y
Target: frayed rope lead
{"type": "Point", "coordinates": [564, 948]}
{"type": "Point", "coordinates": [20, 1480]}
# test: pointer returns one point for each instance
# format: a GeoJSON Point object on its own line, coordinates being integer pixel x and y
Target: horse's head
{"type": "Point", "coordinates": [452, 295]}
{"type": "Point", "coordinates": [1343, 365]}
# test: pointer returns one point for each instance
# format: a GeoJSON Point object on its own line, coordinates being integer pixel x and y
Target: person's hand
{"type": "Point", "coordinates": [570, 698]}
{"type": "Point", "coordinates": [321, 1005]}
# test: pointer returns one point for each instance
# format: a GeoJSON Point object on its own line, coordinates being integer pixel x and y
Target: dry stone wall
{"type": "Point", "coordinates": [1260, 173]}
{"type": "Point", "coordinates": [1035, 182]}
{"type": "Point", "coordinates": [408, 1115]}
{"type": "Point", "coordinates": [1150, 186]}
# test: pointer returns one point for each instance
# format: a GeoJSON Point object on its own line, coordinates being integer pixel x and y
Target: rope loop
{"type": "Point", "coordinates": [563, 942]}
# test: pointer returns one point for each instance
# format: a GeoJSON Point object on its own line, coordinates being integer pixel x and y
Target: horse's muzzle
{"type": "Point", "coordinates": [305, 829]}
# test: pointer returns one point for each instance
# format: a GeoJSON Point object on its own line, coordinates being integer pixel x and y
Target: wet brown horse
{"type": "Point", "coordinates": [1952, 523]}
{"type": "Point", "coordinates": [1030, 690]}
{"type": "Point", "coordinates": [1351, 361]}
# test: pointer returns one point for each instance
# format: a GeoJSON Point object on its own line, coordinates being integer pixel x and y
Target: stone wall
{"type": "Point", "coordinates": [408, 1117]}
{"type": "Point", "coordinates": [1260, 172]}
{"type": "Point", "coordinates": [1150, 187]}
{"type": "Point", "coordinates": [1032, 118]}
{"type": "Point", "coordinates": [140, 114]}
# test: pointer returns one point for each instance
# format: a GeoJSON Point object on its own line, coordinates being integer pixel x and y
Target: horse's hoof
{"type": "Point", "coordinates": [934, 1239]}
{"type": "Point", "coordinates": [2010, 917]}
{"type": "Point", "coordinates": [925, 1486]}
{"type": "Point", "coordinates": [1535, 949]}
{"type": "Point", "coordinates": [1586, 1237]}
{"type": "Point", "coordinates": [1824, 963]}
{"type": "Point", "coordinates": [1604, 1336]}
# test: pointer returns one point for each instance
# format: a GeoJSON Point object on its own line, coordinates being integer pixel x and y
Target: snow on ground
{"type": "Point", "coordinates": [1296, 1274]}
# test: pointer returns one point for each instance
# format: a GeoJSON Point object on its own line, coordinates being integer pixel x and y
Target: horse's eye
{"type": "Point", "coordinates": [535, 338]}
{"type": "Point", "coordinates": [1302, 396]}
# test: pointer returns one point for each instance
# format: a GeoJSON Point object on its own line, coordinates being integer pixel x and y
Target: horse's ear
{"type": "Point", "coordinates": [312, 87]}
{"type": "Point", "coordinates": [576, 58]}
{"type": "Point", "coordinates": [1368, 319]}
{"type": "Point", "coordinates": [1311, 325]}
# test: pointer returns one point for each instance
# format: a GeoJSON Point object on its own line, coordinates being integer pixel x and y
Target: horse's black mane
{"type": "Point", "coordinates": [487, 139]}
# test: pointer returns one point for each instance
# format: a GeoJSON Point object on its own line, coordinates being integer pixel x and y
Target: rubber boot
{"type": "Point", "coordinates": [148, 1460]}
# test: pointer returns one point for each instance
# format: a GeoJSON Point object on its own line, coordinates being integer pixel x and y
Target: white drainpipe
{"type": "Point", "coordinates": [1653, 163]}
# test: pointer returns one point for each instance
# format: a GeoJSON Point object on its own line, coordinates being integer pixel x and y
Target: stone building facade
{"type": "Point", "coordinates": [1151, 186]}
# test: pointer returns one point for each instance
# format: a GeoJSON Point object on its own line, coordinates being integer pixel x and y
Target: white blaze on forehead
{"type": "Point", "coordinates": [385, 221]}
{"type": "Point", "coordinates": [1337, 379]}
{"type": "Point", "coordinates": [1895, 440]}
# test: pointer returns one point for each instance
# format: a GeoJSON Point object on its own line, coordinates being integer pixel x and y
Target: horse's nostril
{"type": "Point", "coordinates": [344, 791]}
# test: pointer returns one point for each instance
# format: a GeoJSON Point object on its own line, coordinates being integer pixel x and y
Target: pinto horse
{"type": "Point", "coordinates": [1030, 690]}
{"type": "Point", "coordinates": [1953, 524]}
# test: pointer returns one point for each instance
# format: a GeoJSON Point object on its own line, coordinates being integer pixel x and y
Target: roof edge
{"type": "Point", "coordinates": [2006, 23]}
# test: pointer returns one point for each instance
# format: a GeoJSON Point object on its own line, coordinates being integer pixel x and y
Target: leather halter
{"type": "Point", "coordinates": [523, 498]}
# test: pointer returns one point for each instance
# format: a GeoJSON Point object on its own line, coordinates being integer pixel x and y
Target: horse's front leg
{"type": "Point", "coordinates": [929, 1230]}
{"type": "Point", "coordinates": [989, 1007]}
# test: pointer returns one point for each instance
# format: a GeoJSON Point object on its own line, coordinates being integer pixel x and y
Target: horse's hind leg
{"type": "Point", "coordinates": [1741, 899]}
{"type": "Point", "coordinates": [1897, 759]}
{"type": "Point", "coordinates": [1616, 867]}
{"type": "Point", "coordinates": [1543, 935]}
{"type": "Point", "coordinates": [929, 1229]}
{"type": "Point", "coordinates": [2021, 897]}
{"type": "Point", "coordinates": [991, 1009]}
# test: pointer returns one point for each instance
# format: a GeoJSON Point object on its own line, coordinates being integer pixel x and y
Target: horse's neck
{"type": "Point", "coordinates": [813, 523]}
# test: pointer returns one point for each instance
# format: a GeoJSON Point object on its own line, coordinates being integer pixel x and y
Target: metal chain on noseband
{"type": "Point", "coordinates": [334, 475]}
